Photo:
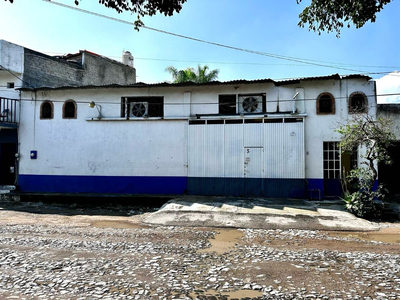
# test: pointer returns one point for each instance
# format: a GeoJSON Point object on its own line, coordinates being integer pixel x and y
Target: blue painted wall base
{"type": "Point", "coordinates": [263, 187]}
{"type": "Point", "coordinates": [279, 188]}
{"type": "Point", "coordinates": [102, 184]}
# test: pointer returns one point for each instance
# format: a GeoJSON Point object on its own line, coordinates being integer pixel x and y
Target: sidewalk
{"type": "Point", "coordinates": [258, 213]}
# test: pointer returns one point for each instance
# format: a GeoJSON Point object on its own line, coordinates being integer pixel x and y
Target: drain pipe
{"type": "Point", "coordinates": [294, 102]}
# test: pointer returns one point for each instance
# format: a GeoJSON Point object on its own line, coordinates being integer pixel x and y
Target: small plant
{"type": "Point", "coordinates": [365, 201]}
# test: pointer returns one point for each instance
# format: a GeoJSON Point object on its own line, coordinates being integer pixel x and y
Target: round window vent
{"type": "Point", "coordinates": [138, 109]}
{"type": "Point", "coordinates": [250, 104]}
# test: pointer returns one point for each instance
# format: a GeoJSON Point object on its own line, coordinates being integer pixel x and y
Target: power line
{"type": "Point", "coordinates": [288, 58]}
{"type": "Point", "coordinates": [16, 76]}
{"type": "Point", "coordinates": [231, 63]}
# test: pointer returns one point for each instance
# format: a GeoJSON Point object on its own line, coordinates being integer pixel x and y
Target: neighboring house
{"type": "Point", "coordinates": [239, 138]}
{"type": "Point", "coordinates": [24, 68]}
{"type": "Point", "coordinates": [391, 111]}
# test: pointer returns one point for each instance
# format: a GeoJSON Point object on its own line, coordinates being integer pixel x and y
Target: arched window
{"type": "Point", "coordinates": [325, 104]}
{"type": "Point", "coordinates": [69, 109]}
{"type": "Point", "coordinates": [46, 110]}
{"type": "Point", "coordinates": [358, 103]}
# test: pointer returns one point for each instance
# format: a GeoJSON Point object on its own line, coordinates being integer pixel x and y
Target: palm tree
{"type": "Point", "coordinates": [201, 75]}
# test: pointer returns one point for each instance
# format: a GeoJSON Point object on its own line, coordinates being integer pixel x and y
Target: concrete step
{"type": "Point", "coordinates": [6, 189]}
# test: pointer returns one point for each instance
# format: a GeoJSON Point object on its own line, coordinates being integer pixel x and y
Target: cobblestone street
{"type": "Point", "coordinates": [55, 256]}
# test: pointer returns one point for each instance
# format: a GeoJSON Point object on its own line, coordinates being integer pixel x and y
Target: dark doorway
{"type": "Point", "coordinates": [388, 174]}
{"type": "Point", "coordinates": [7, 163]}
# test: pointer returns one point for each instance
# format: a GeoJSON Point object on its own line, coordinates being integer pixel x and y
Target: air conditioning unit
{"type": "Point", "coordinates": [250, 104]}
{"type": "Point", "coordinates": [138, 109]}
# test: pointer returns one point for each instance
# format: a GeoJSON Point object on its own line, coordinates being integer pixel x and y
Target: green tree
{"type": "Point", "coordinates": [333, 15]}
{"type": "Point", "coordinates": [200, 75]}
{"type": "Point", "coordinates": [375, 136]}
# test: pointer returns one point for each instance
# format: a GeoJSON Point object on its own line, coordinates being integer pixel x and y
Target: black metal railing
{"type": "Point", "coordinates": [8, 110]}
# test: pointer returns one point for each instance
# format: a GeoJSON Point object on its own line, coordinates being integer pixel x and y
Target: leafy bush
{"type": "Point", "coordinates": [364, 201]}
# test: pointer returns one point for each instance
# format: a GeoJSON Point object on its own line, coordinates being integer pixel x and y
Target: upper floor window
{"type": "Point", "coordinates": [325, 104]}
{"type": "Point", "coordinates": [10, 85]}
{"type": "Point", "coordinates": [46, 110]}
{"type": "Point", "coordinates": [358, 103]}
{"type": "Point", "coordinates": [69, 109]}
{"type": "Point", "coordinates": [227, 104]}
{"type": "Point", "coordinates": [142, 107]}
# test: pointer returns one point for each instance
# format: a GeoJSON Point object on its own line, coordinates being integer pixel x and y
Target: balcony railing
{"type": "Point", "coordinates": [8, 112]}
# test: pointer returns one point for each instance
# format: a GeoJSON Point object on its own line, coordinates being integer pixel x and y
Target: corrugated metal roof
{"type": "Point", "coordinates": [327, 77]}
{"type": "Point", "coordinates": [212, 83]}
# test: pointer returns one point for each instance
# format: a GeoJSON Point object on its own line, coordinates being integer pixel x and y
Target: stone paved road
{"type": "Point", "coordinates": [58, 256]}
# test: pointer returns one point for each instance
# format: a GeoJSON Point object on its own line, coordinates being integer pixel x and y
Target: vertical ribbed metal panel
{"type": "Point", "coordinates": [284, 150]}
{"type": "Point", "coordinates": [233, 150]}
{"type": "Point", "coordinates": [196, 150]}
{"type": "Point", "coordinates": [206, 151]}
{"type": "Point", "coordinates": [214, 151]}
{"type": "Point", "coordinates": [273, 149]}
{"type": "Point", "coordinates": [218, 150]}
{"type": "Point", "coordinates": [253, 135]}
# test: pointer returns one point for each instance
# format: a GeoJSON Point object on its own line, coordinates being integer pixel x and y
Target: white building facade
{"type": "Point", "coordinates": [21, 67]}
{"type": "Point", "coordinates": [241, 138]}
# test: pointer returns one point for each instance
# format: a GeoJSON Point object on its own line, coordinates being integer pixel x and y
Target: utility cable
{"type": "Point", "coordinates": [304, 61]}
{"type": "Point", "coordinates": [16, 76]}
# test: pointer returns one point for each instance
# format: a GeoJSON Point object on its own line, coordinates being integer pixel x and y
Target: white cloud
{"type": "Point", "coordinates": [387, 86]}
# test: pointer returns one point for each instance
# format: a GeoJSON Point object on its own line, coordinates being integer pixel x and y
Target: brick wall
{"type": "Point", "coordinates": [45, 71]}
{"type": "Point", "coordinates": [101, 70]}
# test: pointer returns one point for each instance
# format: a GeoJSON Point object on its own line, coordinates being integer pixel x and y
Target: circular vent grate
{"type": "Point", "coordinates": [250, 104]}
{"type": "Point", "coordinates": [138, 109]}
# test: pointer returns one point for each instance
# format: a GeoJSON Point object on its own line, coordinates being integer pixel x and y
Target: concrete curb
{"type": "Point", "coordinates": [257, 214]}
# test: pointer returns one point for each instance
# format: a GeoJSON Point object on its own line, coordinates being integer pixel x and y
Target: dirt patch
{"type": "Point", "coordinates": [385, 235]}
{"type": "Point", "coordinates": [228, 295]}
{"type": "Point", "coordinates": [117, 225]}
{"type": "Point", "coordinates": [223, 241]}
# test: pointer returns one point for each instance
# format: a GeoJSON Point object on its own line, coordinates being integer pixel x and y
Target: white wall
{"type": "Point", "coordinates": [6, 77]}
{"type": "Point", "coordinates": [320, 128]}
{"type": "Point", "coordinates": [81, 147]}
{"type": "Point", "coordinates": [11, 56]}
{"type": "Point", "coordinates": [155, 147]}
{"type": "Point", "coordinates": [11, 62]}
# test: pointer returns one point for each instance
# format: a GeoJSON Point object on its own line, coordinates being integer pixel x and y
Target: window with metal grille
{"type": "Point", "coordinates": [227, 104]}
{"type": "Point", "coordinates": [141, 107]}
{"type": "Point", "coordinates": [358, 103]}
{"type": "Point", "coordinates": [69, 109]}
{"type": "Point", "coordinates": [46, 110]}
{"type": "Point", "coordinates": [331, 160]}
{"type": "Point", "coordinates": [325, 104]}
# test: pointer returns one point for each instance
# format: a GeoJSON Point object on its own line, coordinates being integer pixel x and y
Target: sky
{"type": "Point", "coordinates": [265, 26]}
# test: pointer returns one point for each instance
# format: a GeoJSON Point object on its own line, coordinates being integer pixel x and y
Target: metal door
{"type": "Point", "coordinates": [7, 163]}
{"type": "Point", "coordinates": [253, 171]}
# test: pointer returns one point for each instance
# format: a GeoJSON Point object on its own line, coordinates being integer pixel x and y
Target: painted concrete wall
{"type": "Point", "coordinates": [12, 61]}
{"type": "Point", "coordinates": [155, 148]}
{"type": "Point", "coordinates": [391, 112]}
{"type": "Point", "coordinates": [5, 78]}
{"type": "Point", "coordinates": [99, 148]}
{"type": "Point", "coordinates": [11, 56]}
{"type": "Point", "coordinates": [123, 155]}
{"type": "Point", "coordinates": [320, 128]}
